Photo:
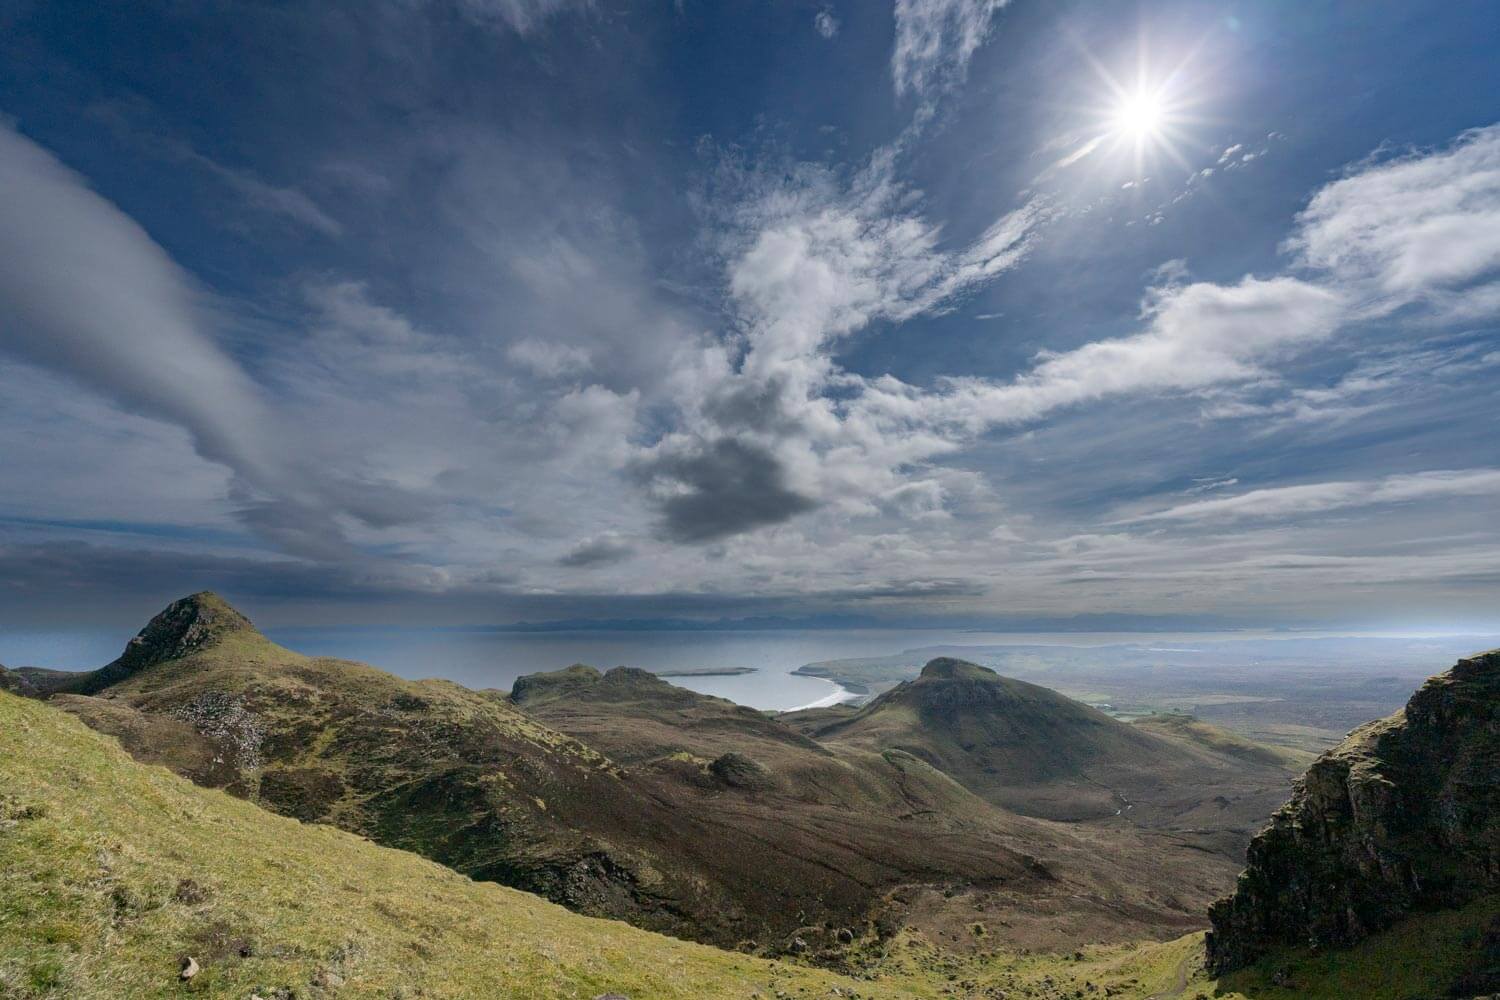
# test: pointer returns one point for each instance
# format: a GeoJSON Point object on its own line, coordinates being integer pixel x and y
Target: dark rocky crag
{"type": "Point", "coordinates": [1403, 816]}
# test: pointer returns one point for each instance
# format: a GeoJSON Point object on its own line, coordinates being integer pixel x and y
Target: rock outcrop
{"type": "Point", "coordinates": [16, 683]}
{"type": "Point", "coordinates": [184, 627]}
{"type": "Point", "coordinates": [1404, 815]}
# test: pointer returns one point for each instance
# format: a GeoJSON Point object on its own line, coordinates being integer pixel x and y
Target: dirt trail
{"type": "Point", "coordinates": [1179, 985]}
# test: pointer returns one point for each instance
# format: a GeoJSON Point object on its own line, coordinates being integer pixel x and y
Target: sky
{"type": "Point", "coordinates": [960, 311]}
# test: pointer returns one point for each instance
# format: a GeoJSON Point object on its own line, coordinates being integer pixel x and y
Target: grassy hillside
{"type": "Point", "coordinates": [939, 856]}
{"type": "Point", "coordinates": [1192, 731]}
{"type": "Point", "coordinates": [623, 796]}
{"type": "Point", "coordinates": [111, 872]}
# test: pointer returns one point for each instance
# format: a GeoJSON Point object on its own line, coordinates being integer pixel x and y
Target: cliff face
{"type": "Point", "coordinates": [1403, 815]}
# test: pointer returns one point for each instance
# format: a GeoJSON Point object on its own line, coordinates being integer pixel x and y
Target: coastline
{"type": "Point", "coordinates": [840, 695]}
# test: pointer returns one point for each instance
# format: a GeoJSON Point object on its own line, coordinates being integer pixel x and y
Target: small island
{"type": "Point", "coordinates": [706, 672]}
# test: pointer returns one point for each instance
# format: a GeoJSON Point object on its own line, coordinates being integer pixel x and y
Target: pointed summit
{"type": "Point", "coordinates": [183, 627]}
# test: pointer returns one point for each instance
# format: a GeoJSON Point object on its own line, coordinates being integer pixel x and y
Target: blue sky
{"type": "Point", "coordinates": [447, 311]}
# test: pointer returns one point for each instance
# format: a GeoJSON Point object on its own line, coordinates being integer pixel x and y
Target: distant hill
{"type": "Point", "coordinates": [1031, 750]}
{"type": "Point", "coordinates": [621, 795]}
{"type": "Point", "coordinates": [1402, 817]}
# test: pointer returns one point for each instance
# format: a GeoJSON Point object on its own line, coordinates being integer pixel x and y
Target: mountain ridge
{"type": "Point", "coordinates": [621, 795]}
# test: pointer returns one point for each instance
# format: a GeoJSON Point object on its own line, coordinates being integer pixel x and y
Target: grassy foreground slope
{"type": "Point", "coordinates": [112, 872]}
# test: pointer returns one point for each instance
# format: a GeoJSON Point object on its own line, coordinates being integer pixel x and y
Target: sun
{"type": "Point", "coordinates": [1140, 116]}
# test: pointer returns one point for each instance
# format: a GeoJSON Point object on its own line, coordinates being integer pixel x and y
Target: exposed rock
{"type": "Point", "coordinates": [739, 771]}
{"type": "Point", "coordinates": [1403, 815]}
{"type": "Point", "coordinates": [184, 627]}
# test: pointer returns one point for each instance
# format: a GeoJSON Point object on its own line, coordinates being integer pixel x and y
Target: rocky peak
{"type": "Point", "coordinates": [1403, 815]}
{"type": "Point", "coordinates": [185, 626]}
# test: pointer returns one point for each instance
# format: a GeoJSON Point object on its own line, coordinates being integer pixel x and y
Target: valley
{"type": "Point", "coordinates": [960, 833]}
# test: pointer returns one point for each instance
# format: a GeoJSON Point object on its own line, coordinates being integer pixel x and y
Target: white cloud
{"type": "Point", "coordinates": [825, 23]}
{"type": "Point", "coordinates": [86, 291]}
{"type": "Point", "coordinates": [1317, 498]}
{"type": "Point", "coordinates": [549, 358]}
{"type": "Point", "coordinates": [1403, 231]}
{"type": "Point", "coordinates": [287, 202]}
{"type": "Point", "coordinates": [1196, 336]}
{"type": "Point", "coordinates": [813, 262]}
{"type": "Point", "coordinates": [1211, 483]}
{"type": "Point", "coordinates": [935, 39]}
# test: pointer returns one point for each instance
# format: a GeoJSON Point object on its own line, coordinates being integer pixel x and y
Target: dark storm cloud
{"type": "Point", "coordinates": [720, 489]}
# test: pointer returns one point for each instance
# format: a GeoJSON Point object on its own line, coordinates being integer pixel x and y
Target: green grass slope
{"type": "Point", "coordinates": [112, 873]}
{"type": "Point", "coordinates": [1193, 731]}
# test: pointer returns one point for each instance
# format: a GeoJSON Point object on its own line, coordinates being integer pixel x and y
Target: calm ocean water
{"type": "Point", "coordinates": [482, 658]}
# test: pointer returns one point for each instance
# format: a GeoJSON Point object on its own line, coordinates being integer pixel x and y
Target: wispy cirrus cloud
{"type": "Point", "coordinates": [521, 16]}
{"type": "Point", "coordinates": [286, 202]}
{"type": "Point", "coordinates": [935, 39]}
{"type": "Point", "coordinates": [1317, 498]}
{"type": "Point", "coordinates": [820, 263]}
